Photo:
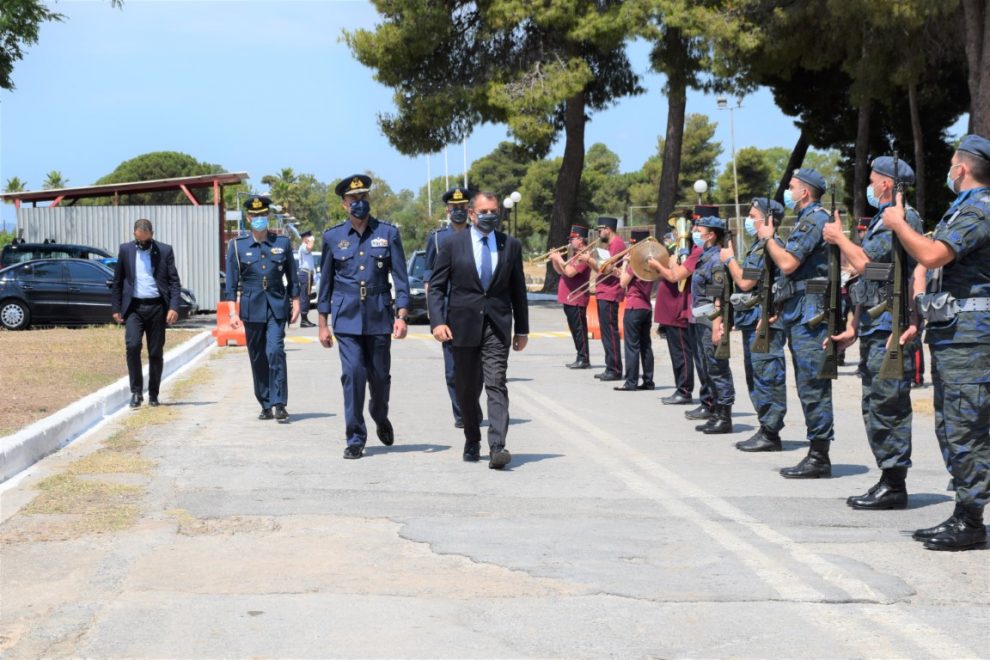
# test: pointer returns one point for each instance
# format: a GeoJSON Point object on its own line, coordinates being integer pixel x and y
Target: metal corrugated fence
{"type": "Point", "coordinates": [193, 232]}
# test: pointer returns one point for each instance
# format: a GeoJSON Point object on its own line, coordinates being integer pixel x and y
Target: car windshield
{"type": "Point", "coordinates": [418, 265]}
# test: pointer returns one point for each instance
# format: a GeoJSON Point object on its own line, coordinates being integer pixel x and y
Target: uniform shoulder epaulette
{"type": "Point", "coordinates": [386, 223]}
{"type": "Point", "coordinates": [339, 224]}
{"type": "Point", "coordinates": [241, 238]}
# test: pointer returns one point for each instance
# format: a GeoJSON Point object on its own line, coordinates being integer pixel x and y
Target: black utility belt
{"type": "Point", "coordinates": [363, 291]}
{"type": "Point", "coordinates": [147, 301]}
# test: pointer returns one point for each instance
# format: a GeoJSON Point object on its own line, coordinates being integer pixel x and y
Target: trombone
{"type": "Point", "coordinates": [546, 255]}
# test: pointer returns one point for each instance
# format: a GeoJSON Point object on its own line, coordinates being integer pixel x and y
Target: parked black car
{"type": "Point", "coordinates": [62, 292]}
{"type": "Point", "coordinates": [15, 253]}
{"type": "Point", "coordinates": [417, 289]}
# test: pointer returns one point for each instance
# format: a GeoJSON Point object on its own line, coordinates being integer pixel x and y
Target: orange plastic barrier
{"type": "Point", "coordinates": [593, 325]}
{"type": "Point", "coordinates": [223, 332]}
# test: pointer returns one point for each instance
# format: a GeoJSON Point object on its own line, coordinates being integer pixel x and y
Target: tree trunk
{"type": "Point", "coordinates": [798, 153]}
{"type": "Point", "coordinates": [976, 22]}
{"type": "Point", "coordinates": [565, 193]}
{"type": "Point", "coordinates": [673, 142]}
{"type": "Point", "coordinates": [861, 171]}
{"type": "Point", "coordinates": [919, 149]}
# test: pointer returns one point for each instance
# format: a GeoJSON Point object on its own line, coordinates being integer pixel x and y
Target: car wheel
{"type": "Point", "coordinates": [14, 315]}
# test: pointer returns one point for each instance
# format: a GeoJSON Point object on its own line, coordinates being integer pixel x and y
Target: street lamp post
{"type": "Point", "coordinates": [700, 187]}
{"type": "Point", "coordinates": [723, 104]}
{"type": "Point", "coordinates": [512, 202]}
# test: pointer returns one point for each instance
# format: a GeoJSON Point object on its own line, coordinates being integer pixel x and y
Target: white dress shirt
{"type": "Point", "coordinates": [144, 277]}
{"type": "Point", "coordinates": [476, 237]}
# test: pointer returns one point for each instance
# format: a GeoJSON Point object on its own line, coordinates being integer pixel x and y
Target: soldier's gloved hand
{"type": "Point", "coordinates": [442, 333]}
{"type": "Point", "coordinates": [326, 337]}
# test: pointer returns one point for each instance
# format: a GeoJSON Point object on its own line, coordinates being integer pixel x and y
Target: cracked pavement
{"type": "Point", "coordinates": [617, 531]}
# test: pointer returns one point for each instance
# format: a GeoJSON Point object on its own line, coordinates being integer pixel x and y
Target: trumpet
{"type": "Point", "coordinates": [546, 255]}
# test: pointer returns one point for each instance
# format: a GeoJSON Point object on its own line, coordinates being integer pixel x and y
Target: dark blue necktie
{"type": "Point", "coordinates": [486, 263]}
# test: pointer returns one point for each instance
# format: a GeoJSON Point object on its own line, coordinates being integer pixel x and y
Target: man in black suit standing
{"type": "Point", "coordinates": [487, 294]}
{"type": "Point", "coordinates": [144, 297]}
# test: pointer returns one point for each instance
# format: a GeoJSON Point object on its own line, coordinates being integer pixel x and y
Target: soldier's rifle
{"type": "Point", "coordinates": [723, 291]}
{"type": "Point", "coordinates": [833, 307]}
{"type": "Point", "coordinates": [896, 301]}
{"type": "Point", "coordinates": [761, 343]}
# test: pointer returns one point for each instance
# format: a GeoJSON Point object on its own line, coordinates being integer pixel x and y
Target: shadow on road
{"type": "Point", "coordinates": [405, 449]}
{"type": "Point", "coordinates": [296, 417]}
{"type": "Point", "coordinates": [846, 470]}
{"type": "Point", "coordinates": [523, 459]}
{"type": "Point", "coordinates": [921, 500]}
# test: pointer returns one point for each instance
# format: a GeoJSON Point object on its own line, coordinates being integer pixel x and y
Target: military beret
{"type": "Point", "coordinates": [306, 234]}
{"type": "Point", "coordinates": [812, 178]}
{"type": "Point", "coordinates": [885, 165]}
{"type": "Point", "coordinates": [638, 235]}
{"type": "Point", "coordinates": [579, 231]}
{"type": "Point", "coordinates": [606, 221]}
{"type": "Point", "coordinates": [776, 208]}
{"type": "Point", "coordinates": [257, 204]}
{"type": "Point", "coordinates": [458, 195]}
{"type": "Point", "coordinates": [705, 211]}
{"type": "Point", "coordinates": [351, 185]}
{"type": "Point", "coordinates": [976, 145]}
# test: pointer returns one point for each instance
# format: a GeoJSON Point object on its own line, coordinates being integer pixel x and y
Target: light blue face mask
{"type": "Point", "coordinates": [749, 225]}
{"type": "Point", "coordinates": [949, 182]}
{"type": "Point", "coordinates": [697, 239]}
{"type": "Point", "coordinates": [789, 201]}
{"type": "Point", "coordinates": [871, 197]}
{"type": "Point", "coordinates": [259, 223]}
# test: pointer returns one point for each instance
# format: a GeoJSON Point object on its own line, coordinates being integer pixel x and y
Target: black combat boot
{"type": "Point", "coordinates": [813, 466]}
{"type": "Point", "coordinates": [701, 412]}
{"type": "Point", "coordinates": [888, 493]}
{"type": "Point", "coordinates": [966, 533]}
{"type": "Point", "coordinates": [711, 419]}
{"type": "Point", "coordinates": [721, 422]}
{"type": "Point", "coordinates": [762, 440]}
{"type": "Point", "coordinates": [931, 532]}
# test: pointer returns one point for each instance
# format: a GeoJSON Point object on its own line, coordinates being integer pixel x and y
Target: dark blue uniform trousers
{"type": "Point", "coordinates": [448, 370]}
{"type": "Point", "coordinates": [886, 403]}
{"type": "Point", "coordinates": [365, 361]}
{"type": "Point", "coordinates": [639, 345]}
{"type": "Point", "coordinates": [608, 323]}
{"type": "Point", "coordinates": [681, 359]}
{"type": "Point", "coordinates": [815, 393]}
{"type": "Point", "coordinates": [766, 378]}
{"type": "Point", "coordinates": [695, 342]}
{"type": "Point", "coordinates": [719, 374]}
{"type": "Point", "coordinates": [266, 349]}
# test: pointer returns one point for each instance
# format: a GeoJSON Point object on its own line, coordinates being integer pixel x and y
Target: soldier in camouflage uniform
{"type": "Point", "coordinates": [708, 231]}
{"type": "Point", "coordinates": [765, 372]}
{"type": "Point", "coordinates": [802, 258]}
{"type": "Point", "coordinates": [886, 402]}
{"type": "Point", "coordinates": [956, 306]}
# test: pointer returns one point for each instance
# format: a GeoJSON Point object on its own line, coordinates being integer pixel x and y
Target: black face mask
{"type": "Point", "coordinates": [144, 245]}
{"type": "Point", "coordinates": [458, 216]}
{"type": "Point", "coordinates": [487, 222]}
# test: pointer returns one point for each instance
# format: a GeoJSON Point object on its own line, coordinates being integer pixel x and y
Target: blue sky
{"type": "Point", "coordinates": [257, 86]}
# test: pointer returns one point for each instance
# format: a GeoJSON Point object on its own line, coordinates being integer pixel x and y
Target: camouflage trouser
{"type": "Point", "coordinates": [886, 403]}
{"type": "Point", "coordinates": [962, 423]}
{"type": "Point", "coordinates": [815, 393]}
{"type": "Point", "coordinates": [719, 373]}
{"type": "Point", "coordinates": [769, 389]}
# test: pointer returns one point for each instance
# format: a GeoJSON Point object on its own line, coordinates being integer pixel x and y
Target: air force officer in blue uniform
{"type": "Point", "coordinates": [358, 255]}
{"type": "Point", "coordinates": [262, 264]}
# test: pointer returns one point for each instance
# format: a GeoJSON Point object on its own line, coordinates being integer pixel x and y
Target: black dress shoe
{"type": "Point", "coordinates": [306, 324]}
{"type": "Point", "coordinates": [601, 374]}
{"type": "Point", "coordinates": [385, 433]}
{"type": "Point", "coordinates": [966, 533]}
{"type": "Point", "coordinates": [580, 365]}
{"type": "Point", "coordinates": [931, 532]}
{"type": "Point", "coordinates": [888, 493]}
{"type": "Point", "coordinates": [266, 413]}
{"type": "Point", "coordinates": [646, 386]}
{"type": "Point", "coordinates": [499, 458]}
{"type": "Point", "coordinates": [701, 412]}
{"type": "Point", "coordinates": [676, 399]}
{"type": "Point", "coordinates": [610, 377]}
{"type": "Point", "coordinates": [153, 401]}
{"type": "Point", "coordinates": [815, 465]}
{"type": "Point", "coordinates": [354, 451]}
{"type": "Point", "coordinates": [136, 400]}
{"type": "Point", "coordinates": [458, 423]}
{"type": "Point", "coordinates": [281, 414]}
{"type": "Point", "coordinates": [762, 440]}
{"type": "Point", "coordinates": [472, 452]}
{"type": "Point", "coordinates": [625, 387]}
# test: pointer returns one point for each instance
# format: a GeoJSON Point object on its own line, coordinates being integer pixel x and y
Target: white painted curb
{"type": "Point", "coordinates": [32, 443]}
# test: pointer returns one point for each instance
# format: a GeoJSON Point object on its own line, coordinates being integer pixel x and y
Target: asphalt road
{"type": "Point", "coordinates": [617, 531]}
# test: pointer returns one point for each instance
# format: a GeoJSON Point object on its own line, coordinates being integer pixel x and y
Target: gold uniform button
{"type": "Point", "coordinates": [360, 254]}
{"type": "Point", "coordinates": [263, 267]}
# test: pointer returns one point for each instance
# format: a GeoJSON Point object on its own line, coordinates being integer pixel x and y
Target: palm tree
{"type": "Point", "coordinates": [14, 184]}
{"type": "Point", "coordinates": [54, 180]}
{"type": "Point", "coordinates": [282, 187]}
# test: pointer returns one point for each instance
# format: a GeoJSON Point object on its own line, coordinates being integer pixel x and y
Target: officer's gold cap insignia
{"type": "Point", "coordinates": [457, 196]}
{"type": "Point", "coordinates": [356, 183]}
{"type": "Point", "coordinates": [256, 203]}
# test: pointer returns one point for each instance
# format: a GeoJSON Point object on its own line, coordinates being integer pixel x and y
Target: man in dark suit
{"type": "Point", "coordinates": [144, 297]}
{"type": "Point", "coordinates": [487, 294]}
